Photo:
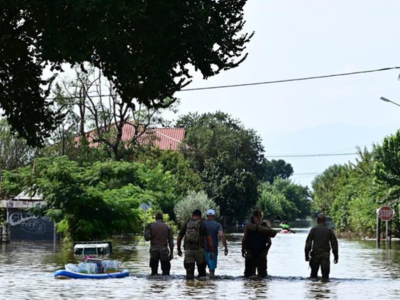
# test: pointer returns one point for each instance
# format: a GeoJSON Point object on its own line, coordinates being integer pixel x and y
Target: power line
{"type": "Point", "coordinates": [266, 82]}
{"type": "Point", "coordinates": [313, 155]}
{"type": "Point", "coordinates": [290, 80]}
{"type": "Point", "coordinates": [302, 174]}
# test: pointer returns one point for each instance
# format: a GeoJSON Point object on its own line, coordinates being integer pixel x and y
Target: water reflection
{"type": "Point", "coordinates": [363, 272]}
{"type": "Point", "coordinates": [321, 290]}
{"type": "Point", "coordinates": [256, 288]}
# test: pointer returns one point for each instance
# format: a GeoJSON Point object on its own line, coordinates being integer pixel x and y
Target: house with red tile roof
{"type": "Point", "coordinates": [163, 138]}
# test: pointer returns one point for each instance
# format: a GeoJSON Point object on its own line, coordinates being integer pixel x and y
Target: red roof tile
{"type": "Point", "coordinates": [164, 138]}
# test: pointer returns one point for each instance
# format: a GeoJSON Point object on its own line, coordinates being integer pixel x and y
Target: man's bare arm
{"type": "Point", "coordinates": [223, 239]}
{"type": "Point", "coordinates": [178, 245]}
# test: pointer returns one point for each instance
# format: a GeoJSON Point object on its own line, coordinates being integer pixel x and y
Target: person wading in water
{"type": "Point", "coordinates": [215, 230]}
{"type": "Point", "coordinates": [319, 243]}
{"type": "Point", "coordinates": [195, 231]}
{"type": "Point", "coordinates": [256, 243]}
{"type": "Point", "coordinates": [160, 235]}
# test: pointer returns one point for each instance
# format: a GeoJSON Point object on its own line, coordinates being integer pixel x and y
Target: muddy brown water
{"type": "Point", "coordinates": [363, 272]}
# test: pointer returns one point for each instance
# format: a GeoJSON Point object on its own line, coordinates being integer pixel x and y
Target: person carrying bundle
{"type": "Point", "coordinates": [256, 243]}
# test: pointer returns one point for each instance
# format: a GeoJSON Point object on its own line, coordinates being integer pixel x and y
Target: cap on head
{"type": "Point", "coordinates": [197, 212]}
{"type": "Point", "coordinates": [210, 212]}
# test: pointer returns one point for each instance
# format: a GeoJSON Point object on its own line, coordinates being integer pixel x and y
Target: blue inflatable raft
{"type": "Point", "coordinates": [64, 274]}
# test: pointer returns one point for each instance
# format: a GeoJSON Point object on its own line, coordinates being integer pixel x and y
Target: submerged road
{"type": "Point", "coordinates": [363, 272]}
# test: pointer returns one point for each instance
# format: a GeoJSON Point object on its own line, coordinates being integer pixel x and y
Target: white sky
{"type": "Point", "coordinates": [306, 38]}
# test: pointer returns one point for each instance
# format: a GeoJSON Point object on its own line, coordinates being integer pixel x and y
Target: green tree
{"type": "Point", "coordinates": [212, 135]}
{"type": "Point", "coordinates": [277, 168]}
{"type": "Point", "coordinates": [143, 47]}
{"type": "Point", "coordinates": [192, 201]}
{"type": "Point", "coordinates": [355, 195]}
{"type": "Point", "coordinates": [174, 162]}
{"type": "Point", "coordinates": [92, 202]}
{"type": "Point", "coordinates": [327, 186]}
{"type": "Point", "coordinates": [285, 199]}
{"type": "Point", "coordinates": [387, 165]}
{"type": "Point", "coordinates": [234, 191]}
{"type": "Point", "coordinates": [229, 159]}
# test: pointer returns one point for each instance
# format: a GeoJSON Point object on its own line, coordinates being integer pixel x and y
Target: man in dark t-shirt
{"type": "Point", "coordinates": [194, 233]}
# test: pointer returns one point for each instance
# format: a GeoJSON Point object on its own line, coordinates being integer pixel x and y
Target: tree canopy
{"type": "Point", "coordinates": [229, 159]}
{"type": "Point", "coordinates": [145, 47]}
{"type": "Point", "coordinates": [350, 194]}
{"type": "Point", "coordinates": [284, 199]}
{"type": "Point", "coordinates": [277, 168]}
{"type": "Point", "coordinates": [94, 202]}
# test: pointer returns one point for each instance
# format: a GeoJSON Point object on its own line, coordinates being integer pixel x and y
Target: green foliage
{"type": "Point", "coordinates": [284, 199]}
{"type": "Point", "coordinates": [327, 186]}
{"type": "Point", "coordinates": [93, 202]}
{"type": "Point", "coordinates": [387, 165]}
{"type": "Point", "coordinates": [211, 135]}
{"type": "Point", "coordinates": [272, 203]}
{"type": "Point", "coordinates": [234, 191]}
{"type": "Point", "coordinates": [175, 163]}
{"type": "Point", "coordinates": [355, 191]}
{"type": "Point", "coordinates": [144, 47]}
{"type": "Point", "coordinates": [229, 159]}
{"type": "Point", "coordinates": [193, 201]}
{"type": "Point", "coordinates": [277, 168]}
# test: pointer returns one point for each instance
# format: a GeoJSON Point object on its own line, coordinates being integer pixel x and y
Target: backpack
{"type": "Point", "coordinates": [192, 236]}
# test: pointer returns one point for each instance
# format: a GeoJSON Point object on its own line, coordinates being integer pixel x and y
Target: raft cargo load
{"type": "Point", "coordinates": [92, 248]}
{"type": "Point", "coordinates": [92, 269]}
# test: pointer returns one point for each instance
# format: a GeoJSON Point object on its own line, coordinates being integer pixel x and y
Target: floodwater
{"type": "Point", "coordinates": [363, 272]}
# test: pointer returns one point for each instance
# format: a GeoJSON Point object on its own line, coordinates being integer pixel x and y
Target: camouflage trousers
{"type": "Point", "coordinates": [159, 254]}
{"type": "Point", "coordinates": [320, 259]}
{"type": "Point", "coordinates": [195, 257]}
{"type": "Point", "coordinates": [256, 262]}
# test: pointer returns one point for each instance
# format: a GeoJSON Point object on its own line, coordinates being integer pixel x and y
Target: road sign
{"type": "Point", "coordinates": [386, 213]}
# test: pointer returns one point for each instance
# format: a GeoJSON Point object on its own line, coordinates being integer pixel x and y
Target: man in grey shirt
{"type": "Point", "coordinates": [319, 242]}
{"type": "Point", "coordinates": [161, 236]}
{"type": "Point", "coordinates": [215, 230]}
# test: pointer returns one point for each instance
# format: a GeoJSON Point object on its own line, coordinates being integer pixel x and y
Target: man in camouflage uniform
{"type": "Point", "coordinates": [161, 236]}
{"type": "Point", "coordinates": [319, 242]}
{"type": "Point", "coordinates": [195, 231]}
{"type": "Point", "coordinates": [256, 242]}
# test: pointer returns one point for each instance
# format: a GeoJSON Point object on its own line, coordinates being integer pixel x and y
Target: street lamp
{"type": "Point", "coordinates": [387, 100]}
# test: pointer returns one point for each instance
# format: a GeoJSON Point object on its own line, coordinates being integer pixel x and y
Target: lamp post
{"type": "Point", "coordinates": [387, 100]}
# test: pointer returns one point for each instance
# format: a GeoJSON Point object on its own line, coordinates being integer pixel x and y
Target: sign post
{"type": "Point", "coordinates": [385, 213]}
